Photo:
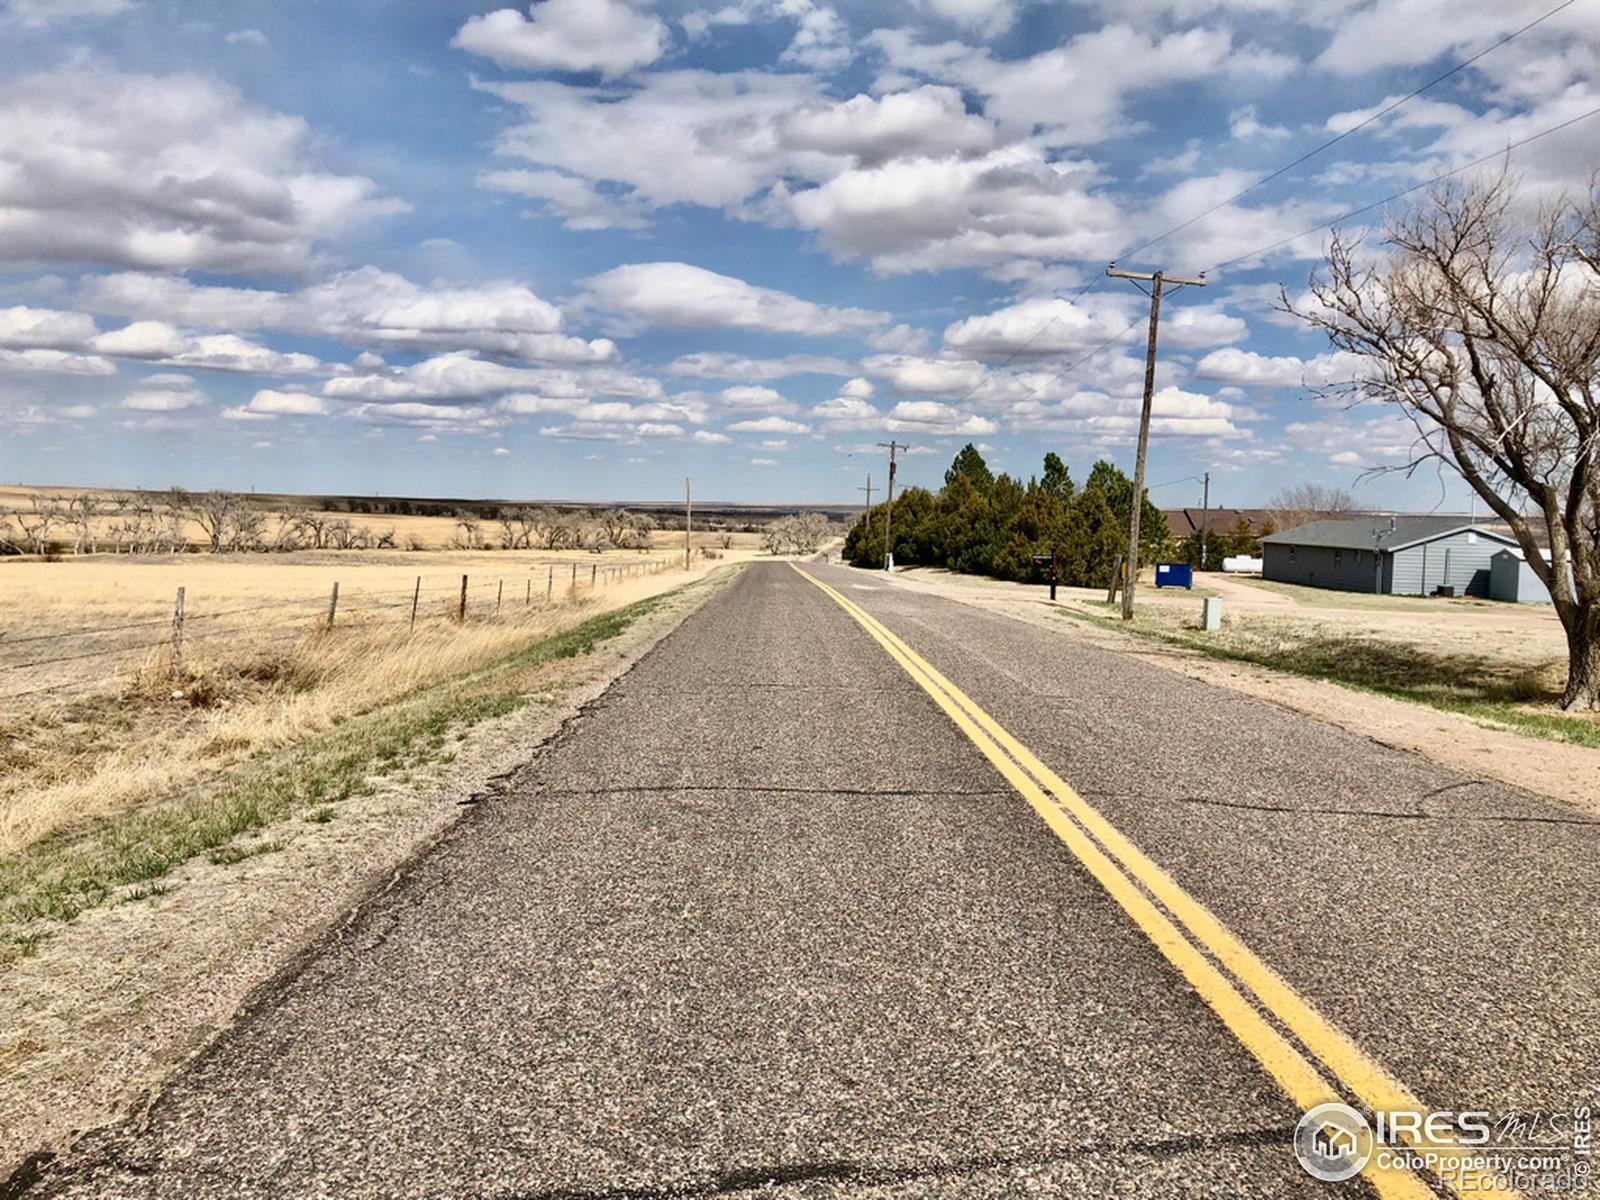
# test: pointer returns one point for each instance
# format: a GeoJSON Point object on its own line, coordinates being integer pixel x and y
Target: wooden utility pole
{"type": "Point", "coordinates": [868, 491]}
{"type": "Point", "coordinates": [1156, 279]}
{"type": "Point", "coordinates": [1205, 519]}
{"type": "Point", "coordinates": [688, 513]}
{"type": "Point", "coordinates": [892, 447]}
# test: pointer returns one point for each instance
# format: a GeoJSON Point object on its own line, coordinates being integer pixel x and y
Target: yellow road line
{"type": "Point", "coordinates": [1297, 1075]}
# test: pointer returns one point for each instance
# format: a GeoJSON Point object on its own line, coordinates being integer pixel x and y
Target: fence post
{"type": "Point", "coordinates": [594, 569]}
{"type": "Point", "coordinates": [416, 594]}
{"type": "Point", "coordinates": [177, 635]}
{"type": "Point", "coordinates": [574, 575]}
{"type": "Point", "coordinates": [461, 611]}
{"type": "Point", "coordinates": [528, 599]}
{"type": "Point", "coordinates": [499, 595]}
{"type": "Point", "coordinates": [333, 603]}
{"type": "Point", "coordinates": [550, 584]}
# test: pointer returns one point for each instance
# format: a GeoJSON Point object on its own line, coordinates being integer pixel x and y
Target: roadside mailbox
{"type": "Point", "coordinates": [1048, 560]}
{"type": "Point", "coordinates": [1174, 575]}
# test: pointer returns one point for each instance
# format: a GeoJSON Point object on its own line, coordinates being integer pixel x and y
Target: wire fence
{"type": "Point", "coordinates": [66, 662]}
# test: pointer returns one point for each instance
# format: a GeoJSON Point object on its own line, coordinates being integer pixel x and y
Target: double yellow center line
{"type": "Point", "coordinates": [1242, 990]}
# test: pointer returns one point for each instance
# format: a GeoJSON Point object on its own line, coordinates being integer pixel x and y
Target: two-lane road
{"type": "Point", "coordinates": [781, 914]}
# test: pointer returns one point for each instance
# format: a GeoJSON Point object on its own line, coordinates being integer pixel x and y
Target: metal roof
{"type": "Point", "coordinates": [1375, 533]}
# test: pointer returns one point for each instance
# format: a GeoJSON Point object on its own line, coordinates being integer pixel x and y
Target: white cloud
{"type": "Point", "coordinates": [1244, 124]}
{"type": "Point", "coordinates": [566, 35]}
{"type": "Point", "coordinates": [935, 376]}
{"type": "Point", "coordinates": [929, 121]}
{"type": "Point", "coordinates": [466, 377]}
{"type": "Point", "coordinates": [755, 398]}
{"type": "Point", "coordinates": [1249, 369]}
{"type": "Point", "coordinates": [23, 328]}
{"type": "Point", "coordinates": [501, 452]}
{"type": "Point", "coordinates": [763, 462]}
{"type": "Point", "coordinates": [690, 297]}
{"type": "Point", "coordinates": [710, 438]}
{"type": "Point", "coordinates": [294, 404]}
{"type": "Point", "coordinates": [246, 37]}
{"type": "Point", "coordinates": [37, 14]}
{"type": "Point", "coordinates": [156, 341]}
{"type": "Point", "coordinates": [364, 307]}
{"type": "Point", "coordinates": [573, 198]}
{"type": "Point", "coordinates": [990, 18]}
{"type": "Point", "coordinates": [167, 172]}
{"type": "Point", "coordinates": [710, 365]}
{"type": "Point", "coordinates": [769, 425]}
{"type": "Point", "coordinates": [164, 393]}
{"type": "Point", "coordinates": [54, 362]}
{"type": "Point", "coordinates": [858, 387]}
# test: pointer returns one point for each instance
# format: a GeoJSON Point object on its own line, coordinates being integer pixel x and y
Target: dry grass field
{"type": "Point", "coordinates": [103, 719]}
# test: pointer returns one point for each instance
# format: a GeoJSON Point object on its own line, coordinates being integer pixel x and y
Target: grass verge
{"type": "Point", "coordinates": [1482, 689]}
{"type": "Point", "coordinates": [62, 876]}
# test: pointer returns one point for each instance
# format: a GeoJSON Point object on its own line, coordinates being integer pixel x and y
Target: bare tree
{"type": "Point", "coordinates": [339, 533]}
{"type": "Point", "coordinates": [216, 513]}
{"type": "Point", "coordinates": [415, 542]}
{"type": "Point", "coordinates": [552, 529]}
{"type": "Point", "coordinates": [36, 522]}
{"type": "Point", "coordinates": [1483, 327]}
{"type": "Point", "coordinates": [807, 532]}
{"type": "Point", "coordinates": [383, 540]}
{"type": "Point", "coordinates": [469, 530]}
{"type": "Point", "coordinates": [1306, 502]}
{"type": "Point", "coordinates": [82, 509]}
{"type": "Point", "coordinates": [8, 537]}
{"type": "Point", "coordinates": [287, 530]}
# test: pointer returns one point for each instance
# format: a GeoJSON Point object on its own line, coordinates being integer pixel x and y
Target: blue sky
{"type": "Point", "coordinates": [587, 249]}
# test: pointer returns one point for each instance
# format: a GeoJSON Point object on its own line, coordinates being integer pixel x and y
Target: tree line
{"type": "Point", "coordinates": [987, 524]}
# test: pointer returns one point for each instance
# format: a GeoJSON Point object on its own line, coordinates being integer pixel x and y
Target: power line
{"type": "Point", "coordinates": [1416, 187]}
{"type": "Point", "coordinates": [1333, 141]}
{"type": "Point", "coordinates": [1265, 179]}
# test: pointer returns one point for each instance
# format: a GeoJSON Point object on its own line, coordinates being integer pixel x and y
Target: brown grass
{"type": "Point", "coordinates": [131, 730]}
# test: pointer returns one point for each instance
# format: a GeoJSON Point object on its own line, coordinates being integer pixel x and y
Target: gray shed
{"type": "Point", "coordinates": [1512, 579]}
{"type": "Point", "coordinates": [1403, 556]}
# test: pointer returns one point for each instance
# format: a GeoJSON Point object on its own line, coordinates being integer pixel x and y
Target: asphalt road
{"type": "Point", "coordinates": [764, 921]}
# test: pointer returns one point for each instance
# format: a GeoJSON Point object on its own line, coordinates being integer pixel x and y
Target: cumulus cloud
{"type": "Point", "coordinates": [156, 341]}
{"type": "Point", "coordinates": [164, 393]}
{"type": "Point", "coordinates": [166, 172]}
{"type": "Point", "coordinates": [294, 404]}
{"type": "Point", "coordinates": [364, 307]}
{"type": "Point", "coordinates": [37, 14]}
{"type": "Point", "coordinates": [24, 328]}
{"type": "Point", "coordinates": [575, 199]}
{"type": "Point", "coordinates": [464, 376]}
{"type": "Point", "coordinates": [54, 362]}
{"type": "Point", "coordinates": [690, 297]}
{"type": "Point", "coordinates": [935, 376]}
{"type": "Point", "coordinates": [713, 365]}
{"type": "Point", "coordinates": [769, 425]}
{"type": "Point", "coordinates": [1249, 369]}
{"type": "Point", "coordinates": [754, 398]}
{"type": "Point", "coordinates": [929, 121]}
{"type": "Point", "coordinates": [566, 35]}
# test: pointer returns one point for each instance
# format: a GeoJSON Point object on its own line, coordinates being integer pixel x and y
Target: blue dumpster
{"type": "Point", "coordinates": [1174, 575]}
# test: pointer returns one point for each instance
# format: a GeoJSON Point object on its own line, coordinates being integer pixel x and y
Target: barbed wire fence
{"type": "Point", "coordinates": [30, 661]}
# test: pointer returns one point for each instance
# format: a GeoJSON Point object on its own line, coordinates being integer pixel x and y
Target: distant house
{"type": "Point", "coordinates": [1402, 556]}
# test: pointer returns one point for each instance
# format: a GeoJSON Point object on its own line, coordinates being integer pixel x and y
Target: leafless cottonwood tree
{"type": "Point", "coordinates": [36, 521]}
{"type": "Point", "coordinates": [82, 509]}
{"type": "Point", "coordinates": [1483, 326]}
{"type": "Point", "coordinates": [469, 530]}
{"type": "Point", "coordinates": [1307, 502]}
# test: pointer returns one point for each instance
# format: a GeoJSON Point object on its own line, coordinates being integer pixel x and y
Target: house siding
{"type": "Point", "coordinates": [1453, 561]}
{"type": "Point", "coordinates": [1319, 566]}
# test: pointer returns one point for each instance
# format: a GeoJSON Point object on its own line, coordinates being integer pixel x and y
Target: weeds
{"type": "Point", "coordinates": [67, 873]}
{"type": "Point", "coordinates": [1477, 687]}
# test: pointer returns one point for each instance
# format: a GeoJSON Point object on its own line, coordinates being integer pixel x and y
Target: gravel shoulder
{"type": "Point", "coordinates": [111, 1004]}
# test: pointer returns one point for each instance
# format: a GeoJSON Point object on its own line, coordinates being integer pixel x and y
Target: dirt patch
{"type": "Point", "coordinates": [1562, 771]}
{"type": "Point", "coordinates": [105, 1007]}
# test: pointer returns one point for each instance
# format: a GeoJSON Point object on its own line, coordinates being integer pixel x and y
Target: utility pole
{"type": "Point", "coordinates": [868, 491]}
{"type": "Point", "coordinates": [1205, 519]}
{"type": "Point", "coordinates": [1156, 279]}
{"type": "Point", "coordinates": [888, 517]}
{"type": "Point", "coordinates": [688, 513]}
